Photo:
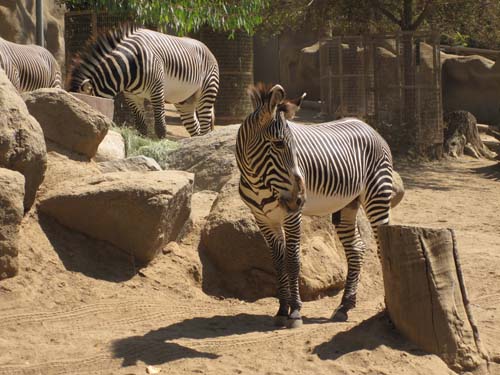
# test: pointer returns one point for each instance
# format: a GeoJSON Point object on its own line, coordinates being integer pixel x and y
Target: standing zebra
{"type": "Point", "coordinates": [288, 170]}
{"type": "Point", "coordinates": [145, 64]}
{"type": "Point", "coordinates": [29, 67]}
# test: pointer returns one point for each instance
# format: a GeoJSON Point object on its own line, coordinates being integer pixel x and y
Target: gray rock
{"type": "Point", "coordinates": [68, 121]}
{"type": "Point", "coordinates": [138, 163]}
{"type": "Point", "coordinates": [22, 146]}
{"type": "Point", "coordinates": [11, 214]}
{"type": "Point", "coordinates": [137, 212]}
{"type": "Point", "coordinates": [210, 157]}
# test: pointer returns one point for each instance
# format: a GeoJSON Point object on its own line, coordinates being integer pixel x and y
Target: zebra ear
{"type": "Point", "coordinates": [290, 106]}
{"type": "Point", "coordinates": [277, 94]}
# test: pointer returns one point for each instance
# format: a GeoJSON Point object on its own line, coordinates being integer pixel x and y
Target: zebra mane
{"type": "Point", "coordinates": [106, 40]}
{"type": "Point", "coordinates": [260, 93]}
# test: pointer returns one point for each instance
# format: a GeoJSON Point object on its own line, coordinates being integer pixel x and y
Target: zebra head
{"type": "Point", "coordinates": [86, 87]}
{"type": "Point", "coordinates": [80, 81]}
{"type": "Point", "coordinates": [271, 152]}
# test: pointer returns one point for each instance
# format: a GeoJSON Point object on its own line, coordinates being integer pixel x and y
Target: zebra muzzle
{"type": "Point", "coordinates": [294, 201]}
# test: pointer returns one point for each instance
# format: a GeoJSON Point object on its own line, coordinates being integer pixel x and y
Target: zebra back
{"type": "Point", "coordinates": [29, 67]}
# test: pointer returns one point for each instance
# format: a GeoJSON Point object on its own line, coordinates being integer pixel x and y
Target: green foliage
{"type": "Point", "coordinates": [183, 16]}
{"type": "Point", "coordinates": [473, 22]}
{"type": "Point", "coordinates": [137, 145]}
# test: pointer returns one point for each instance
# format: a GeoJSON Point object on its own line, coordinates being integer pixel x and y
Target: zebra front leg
{"type": "Point", "coordinates": [354, 248]}
{"type": "Point", "coordinates": [292, 228]}
{"type": "Point", "coordinates": [275, 241]}
{"type": "Point", "coordinates": [158, 103]}
{"type": "Point", "coordinates": [136, 104]}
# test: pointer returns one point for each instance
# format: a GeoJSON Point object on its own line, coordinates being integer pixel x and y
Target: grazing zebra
{"type": "Point", "coordinates": [288, 170]}
{"type": "Point", "coordinates": [144, 64]}
{"type": "Point", "coordinates": [29, 67]}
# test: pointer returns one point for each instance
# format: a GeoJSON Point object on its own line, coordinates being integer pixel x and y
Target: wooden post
{"type": "Point", "coordinates": [426, 297]}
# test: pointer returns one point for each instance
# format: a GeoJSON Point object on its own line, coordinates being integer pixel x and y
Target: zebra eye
{"type": "Point", "coordinates": [279, 144]}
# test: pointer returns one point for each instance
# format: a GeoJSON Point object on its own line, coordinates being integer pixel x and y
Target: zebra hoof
{"type": "Point", "coordinates": [294, 323]}
{"type": "Point", "coordinates": [294, 319]}
{"type": "Point", "coordinates": [340, 315]}
{"type": "Point", "coordinates": [280, 320]}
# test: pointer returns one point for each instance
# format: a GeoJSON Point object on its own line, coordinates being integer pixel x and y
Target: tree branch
{"type": "Point", "coordinates": [384, 11]}
{"type": "Point", "coordinates": [422, 15]}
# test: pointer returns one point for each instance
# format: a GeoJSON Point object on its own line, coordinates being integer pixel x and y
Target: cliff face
{"type": "Point", "coordinates": [17, 24]}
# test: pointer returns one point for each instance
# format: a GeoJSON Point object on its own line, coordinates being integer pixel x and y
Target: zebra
{"type": "Point", "coordinates": [288, 170]}
{"type": "Point", "coordinates": [145, 64]}
{"type": "Point", "coordinates": [29, 67]}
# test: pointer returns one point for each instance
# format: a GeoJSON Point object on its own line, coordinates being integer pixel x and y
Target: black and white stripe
{"type": "Point", "coordinates": [144, 64]}
{"type": "Point", "coordinates": [29, 67]}
{"type": "Point", "coordinates": [289, 169]}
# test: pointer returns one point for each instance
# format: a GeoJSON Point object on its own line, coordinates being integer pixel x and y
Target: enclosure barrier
{"type": "Point", "coordinates": [392, 81]}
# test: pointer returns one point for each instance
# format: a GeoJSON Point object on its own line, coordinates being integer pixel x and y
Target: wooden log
{"type": "Point", "coordinates": [426, 297]}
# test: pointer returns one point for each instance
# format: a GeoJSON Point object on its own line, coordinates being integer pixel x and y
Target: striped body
{"type": "Point", "coordinates": [29, 67]}
{"type": "Point", "coordinates": [145, 64]}
{"type": "Point", "coordinates": [289, 170]}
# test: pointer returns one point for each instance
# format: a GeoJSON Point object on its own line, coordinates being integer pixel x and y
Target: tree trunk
{"type": "Point", "coordinates": [461, 136]}
{"type": "Point", "coordinates": [425, 294]}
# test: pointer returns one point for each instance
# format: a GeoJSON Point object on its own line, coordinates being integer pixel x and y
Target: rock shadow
{"type": "Point", "coordinates": [369, 335]}
{"type": "Point", "coordinates": [154, 347]}
{"type": "Point", "coordinates": [93, 258]}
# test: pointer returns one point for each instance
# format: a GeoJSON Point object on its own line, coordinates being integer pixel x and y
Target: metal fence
{"type": "Point", "coordinates": [392, 81]}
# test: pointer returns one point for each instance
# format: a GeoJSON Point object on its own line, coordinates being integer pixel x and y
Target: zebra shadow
{"type": "Point", "coordinates": [368, 335]}
{"type": "Point", "coordinates": [156, 346]}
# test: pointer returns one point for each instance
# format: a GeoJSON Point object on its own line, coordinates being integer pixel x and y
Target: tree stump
{"type": "Point", "coordinates": [426, 297]}
{"type": "Point", "coordinates": [461, 136]}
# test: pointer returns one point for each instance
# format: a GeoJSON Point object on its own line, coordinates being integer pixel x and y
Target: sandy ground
{"type": "Point", "coordinates": [79, 307]}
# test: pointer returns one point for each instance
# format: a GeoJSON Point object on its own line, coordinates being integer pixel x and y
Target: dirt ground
{"type": "Point", "coordinates": [79, 307]}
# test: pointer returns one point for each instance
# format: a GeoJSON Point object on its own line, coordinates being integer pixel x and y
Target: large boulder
{"type": "Point", "coordinates": [232, 242]}
{"type": "Point", "coordinates": [472, 83]}
{"type": "Point", "coordinates": [11, 214]}
{"type": "Point", "coordinates": [68, 121]}
{"type": "Point", "coordinates": [139, 163]}
{"type": "Point", "coordinates": [398, 189]}
{"type": "Point", "coordinates": [135, 211]}
{"type": "Point", "coordinates": [209, 157]}
{"type": "Point", "coordinates": [22, 146]}
{"type": "Point", "coordinates": [112, 147]}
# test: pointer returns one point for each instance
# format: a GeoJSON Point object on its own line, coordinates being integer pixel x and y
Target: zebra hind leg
{"type": "Point", "coordinates": [354, 248]}
{"type": "Point", "coordinates": [205, 107]}
{"type": "Point", "coordinates": [187, 111]}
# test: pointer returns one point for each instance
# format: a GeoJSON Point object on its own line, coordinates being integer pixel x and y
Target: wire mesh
{"type": "Point", "coordinates": [393, 80]}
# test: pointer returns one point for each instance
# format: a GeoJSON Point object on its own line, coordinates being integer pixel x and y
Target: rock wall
{"type": "Point", "coordinates": [472, 83]}
{"type": "Point", "coordinates": [18, 24]}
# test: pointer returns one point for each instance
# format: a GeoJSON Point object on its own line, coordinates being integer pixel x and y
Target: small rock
{"type": "Point", "coordinates": [112, 147]}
